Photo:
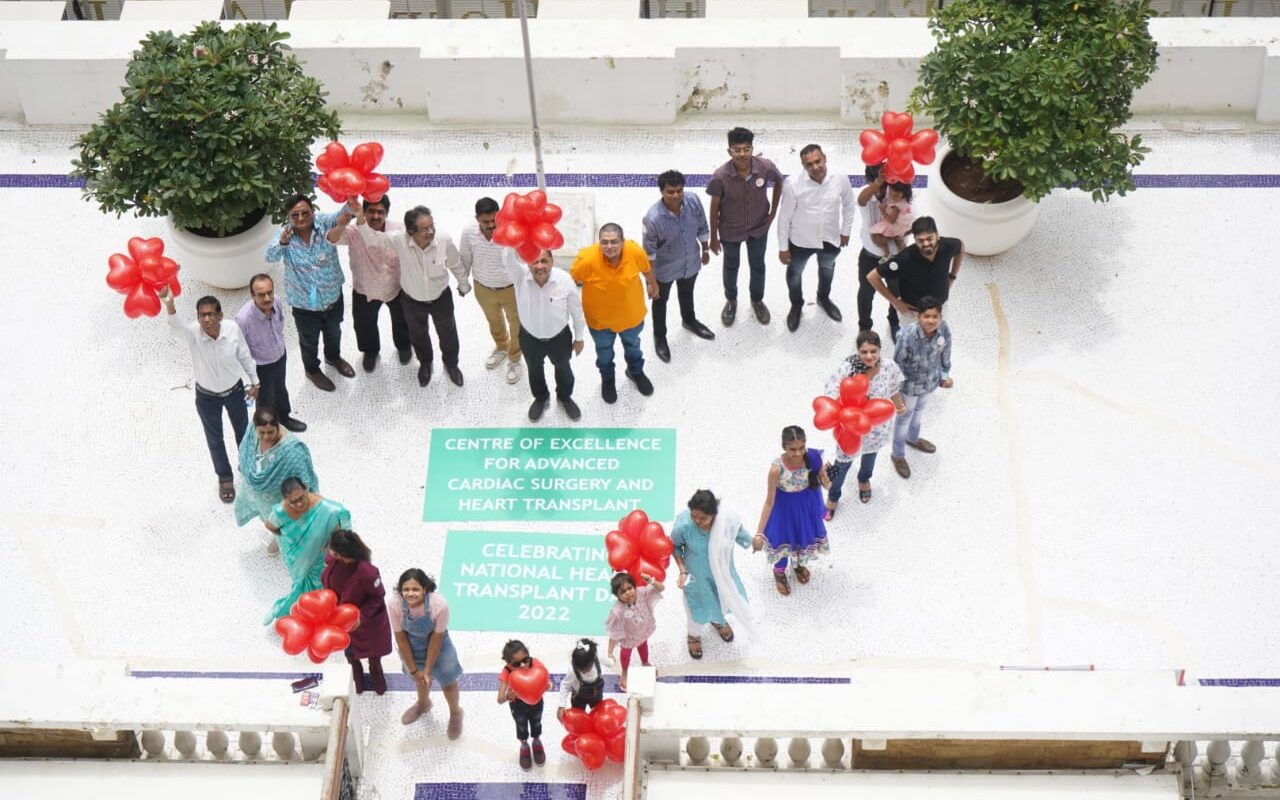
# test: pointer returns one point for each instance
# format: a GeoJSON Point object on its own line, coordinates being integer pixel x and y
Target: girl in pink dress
{"type": "Point", "coordinates": [895, 218]}
{"type": "Point", "coordinates": [631, 622]}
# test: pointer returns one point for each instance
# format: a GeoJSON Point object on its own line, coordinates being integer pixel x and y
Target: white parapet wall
{"type": "Point", "coordinates": [611, 69]}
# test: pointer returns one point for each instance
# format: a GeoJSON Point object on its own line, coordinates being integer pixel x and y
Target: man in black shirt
{"type": "Point", "coordinates": [925, 269]}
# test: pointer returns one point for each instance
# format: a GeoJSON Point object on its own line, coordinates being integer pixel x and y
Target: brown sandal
{"type": "Point", "coordinates": [695, 647]}
{"type": "Point", "coordinates": [802, 574]}
{"type": "Point", "coordinates": [784, 588]}
{"type": "Point", "coordinates": [726, 632]}
{"type": "Point", "coordinates": [226, 490]}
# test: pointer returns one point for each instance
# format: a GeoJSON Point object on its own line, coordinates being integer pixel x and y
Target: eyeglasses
{"type": "Point", "coordinates": [423, 229]}
{"type": "Point", "coordinates": [299, 214]}
{"type": "Point", "coordinates": [740, 151]}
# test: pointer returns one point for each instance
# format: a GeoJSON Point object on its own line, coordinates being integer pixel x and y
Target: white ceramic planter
{"type": "Point", "coordinates": [226, 263]}
{"type": "Point", "coordinates": [985, 228]}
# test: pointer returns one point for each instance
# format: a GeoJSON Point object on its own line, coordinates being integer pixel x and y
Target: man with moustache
{"type": "Point", "coordinates": [483, 261]}
{"type": "Point", "coordinates": [375, 280]}
{"type": "Point", "coordinates": [926, 268]}
{"type": "Point", "coordinates": [261, 322]}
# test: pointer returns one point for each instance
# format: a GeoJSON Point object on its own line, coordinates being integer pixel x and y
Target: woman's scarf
{"type": "Point", "coordinates": [290, 458]}
{"type": "Point", "coordinates": [720, 545]}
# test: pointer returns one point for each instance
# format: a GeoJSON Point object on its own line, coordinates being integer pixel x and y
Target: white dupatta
{"type": "Point", "coordinates": [720, 546]}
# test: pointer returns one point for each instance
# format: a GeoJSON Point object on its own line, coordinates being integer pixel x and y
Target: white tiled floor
{"type": "Point", "coordinates": [1104, 489]}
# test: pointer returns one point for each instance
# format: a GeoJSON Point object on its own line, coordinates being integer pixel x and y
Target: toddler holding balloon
{"type": "Point", "coordinates": [631, 622]}
{"type": "Point", "coordinates": [521, 683]}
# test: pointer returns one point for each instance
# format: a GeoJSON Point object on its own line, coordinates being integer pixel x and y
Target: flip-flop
{"type": "Point", "coordinates": [720, 629]}
{"type": "Point", "coordinates": [695, 647]}
{"type": "Point", "coordinates": [780, 579]}
{"type": "Point", "coordinates": [802, 574]}
{"type": "Point", "coordinates": [227, 491]}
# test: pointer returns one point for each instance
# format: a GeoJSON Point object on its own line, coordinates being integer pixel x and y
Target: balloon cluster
{"type": "Point", "coordinates": [343, 176]}
{"type": "Point", "coordinates": [595, 736]}
{"type": "Point", "coordinates": [317, 624]}
{"type": "Point", "coordinates": [639, 547]}
{"type": "Point", "coordinates": [852, 415]}
{"type": "Point", "coordinates": [527, 223]}
{"type": "Point", "coordinates": [897, 147]}
{"type": "Point", "coordinates": [529, 683]}
{"type": "Point", "coordinates": [141, 274]}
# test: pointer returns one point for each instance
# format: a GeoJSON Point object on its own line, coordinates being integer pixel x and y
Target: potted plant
{"type": "Point", "coordinates": [1029, 95]}
{"type": "Point", "coordinates": [214, 132]}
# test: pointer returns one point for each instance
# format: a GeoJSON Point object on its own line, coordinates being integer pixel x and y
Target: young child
{"type": "Point", "coordinates": [583, 685]}
{"type": "Point", "coordinates": [895, 218]}
{"type": "Point", "coordinates": [528, 718]}
{"type": "Point", "coordinates": [630, 622]}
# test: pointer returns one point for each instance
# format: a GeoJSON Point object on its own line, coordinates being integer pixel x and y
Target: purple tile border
{"type": "Point", "coordinates": [627, 180]}
{"type": "Point", "coordinates": [500, 791]}
{"type": "Point", "coordinates": [1239, 682]}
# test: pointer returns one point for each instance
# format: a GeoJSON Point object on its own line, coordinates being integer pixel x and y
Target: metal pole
{"type": "Point", "coordinates": [533, 102]}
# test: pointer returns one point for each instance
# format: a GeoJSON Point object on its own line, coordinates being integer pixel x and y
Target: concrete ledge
{"type": "Point", "coordinates": [192, 11]}
{"type": "Point", "coordinates": [340, 9]}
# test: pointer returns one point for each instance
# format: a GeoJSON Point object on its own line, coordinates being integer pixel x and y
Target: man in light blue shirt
{"type": "Point", "coordinates": [923, 352]}
{"type": "Point", "coordinates": [676, 240]}
{"type": "Point", "coordinates": [313, 284]}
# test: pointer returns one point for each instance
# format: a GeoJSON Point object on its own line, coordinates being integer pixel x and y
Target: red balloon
{"type": "Point", "coordinates": [508, 210]}
{"type": "Point", "coordinates": [537, 204]}
{"type": "Point", "coordinates": [853, 390]}
{"type": "Point", "coordinates": [923, 144]}
{"type": "Point", "coordinates": [524, 208]}
{"type": "Point", "coordinates": [551, 214]}
{"type": "Point", "coordinates": [895, 125]}
{"type": "Point", "coordinates": [528, 252]}
{"type": "Point", "coordinates": [152, 270]}
{"type": "Point", "coordinates": [622, 551]}
{"type": "Point", "coordinates": [608, 720]}
{"type": "Point", "coordinates": [825, 411]}
{"type": "Point", "coordinates": [879, 410]}
{"type": "Point", "coordinates": [141, 302]}
{"type": "Point", "coordinates": [174, 287]}
{"type": "Point", "coordinates": [570, 742]}
{"type": "Point", "coordinates": [643, 566]}
{"type": "Point", "coordinates": [366, 157]}
{"type": "Point", "coordinates": [529, 683]}
{"type": "Point", "coordinates": [327, 639]}
{"type": "Point", "coordinates": [616, 747]}
{"type": "Point", "coordinates": [874, 146]}
{"type": "Point", "coordinates": [591, 749]}
{"type": "Point", "coordinates": [316, 606]}
{"type": "Point", "coordinates": [139, 247]}
{"type": "Point", "coordinates": [375, 186]}
{"type": "Point", "coordinates": [544, 235]}
{"type": "Point", "coordinates": [122, 273]}
{"type": "Point", "coordinates": [899, 157]}
{"type": "Point", "coordinates": [346, 179]}
{"type": "Point", "coordinates": [333, 157]}
{"type": "Point", "coordinates": [850, 443]}
{"type": "Point", "coordinates": [576, 721]}
{"type": "Point", "coordinates": [654, 542]}
{"type": "Point", "coordinates": [323, 184]}
{"type": "Point", "coordinates": [632, 525]}
{"type": "Point", "coordinates": [294, 633]}
{"type": "Point", "coordinates": [345, 616]}
{"type": "Point", "coordinates": [854, 421]}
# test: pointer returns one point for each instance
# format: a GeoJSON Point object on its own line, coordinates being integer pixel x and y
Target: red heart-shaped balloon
{"type": "Point", "coordinates": [174, 287]}
{"type": "Point", "coordinates": [323, 184]}
{"type": "Point", "coordinates": [591, 749]}
{"type": "Point", "coordinates": [528, 252]}
{"type": "Point", "coordinates": [295, 634]}
{"type": "Point", "coordinates": [546, 236]}
{"type": "Point", "coordinates": [334, 157]}
{"type": "Point", "coordinates": [523, 207]}
{"type": "Point", "coordinates": [327, 639]}
{"type": "Point", "coordinates": [923, 144]}
{"type": "Point", "coordinates": [529, 683]}
{"type": "Point", "coordinates": [654, 543]}
{"type": "Point", "coordinates": [874, 146]}
{"type": "Point", "coordinates": [825, 413]}
{"type": "Point", "coordinates": [895, 125]}
{"type": "Point", "coordinates": [622, 551]}
{"type": "Point", "coordinates": [632, 525]}
{"type": "Point", "coordinates": [616, 747]}
{"type": "Point", "coordinates": [366, 157]}
{"type": "Point", "coordinates": [512, 234]}
{"type": "Point", "coordinates": [853, 390]}
{"type": "Point", "coordinates": [316, 606]}
{"type": "Point", "coordinates": [139, 247]}
{"type": "Point", "coordinates": [643, 566]}
{"type": "Point", "coordinates": [551, 213]}
{"type": "Point", "coordinates": [537, 204]}
{"type": "Point", "coordinates": [345, 617]}
{"type": "Point", "coordinates": [375, 186]}
{"type": "Point", "coordinates": [576, 722]}
{"type": "Point", "coordinates": [150, 267]}
{"type": "Point", "coordinates": [854, 421]}
{"type": "Point", "coordinates": [141, 301]}
{"type": "Point", "coordinates": [879, 410]}
{"type": "Point", "coordinates": [608, 720]}
{"type": "Point", "coordinates": [346, 179]}
{"type": "Point", "coordinates": [569, 743]}
{"type": "Point", "coordinates": [122, 273]}
{"type": "Point", "coordinates": [850, 443]}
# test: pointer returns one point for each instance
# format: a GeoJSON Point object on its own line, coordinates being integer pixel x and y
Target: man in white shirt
{"type": "Point", "coordinates": [483, 261]}
{"type": "Point", "coordinates": [549, 305]}
{"type": "Point", "coordinates": [815, 217]}
{"type": "Point", "coordinates": [426, 259]}
{"type": "Point", "coordinates": [219, 359]}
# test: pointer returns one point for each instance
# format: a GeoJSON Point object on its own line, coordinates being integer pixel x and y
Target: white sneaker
{"type": "Point", "coordinates": [513, 372]}
{"type": "Point", "coordinates": [495, 358]}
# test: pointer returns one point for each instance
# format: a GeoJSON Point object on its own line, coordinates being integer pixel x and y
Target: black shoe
{"type": "Point", "coordinates": [762, 312]}
{"type": "Point", "coordinates": [661, 349]}
{"type": "Point", "coordinates": [831, 308]}
{"type": "Point", "coordinates": [406, 355]}
{"type": "Point", "coordinates": [793, 319]}
{"type": "Point", "coordinates": [729, 313]}
{"type": "Point", "coordinates": [424, 374]}
{"type": "Point", "coordinates": [535, 410]}
{"type": "Point", "coordinates": [699, 330]}
{"type": "Point", "coordinates": [642, 382]}
{"type": "Point", "coordinates": [571, 408]}
{"type": "Point", "coordinates": [609, 390]}
{"type": "Point", "coordinates": [454, 373]}
{"type": "Point", "coordinates": [370, 361]}
{"type": "Point", "coordinates": [291, 424]}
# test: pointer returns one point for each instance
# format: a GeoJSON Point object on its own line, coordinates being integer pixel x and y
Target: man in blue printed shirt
{"type": "Point", "coordinates": [923, 351]}
{"type": "Point", "coordinates": [676, 240]}
{"type": "Point", "coordinates": [313, 284]}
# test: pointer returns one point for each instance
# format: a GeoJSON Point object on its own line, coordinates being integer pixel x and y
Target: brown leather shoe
{"type": "Point", "coordinates": [321, 381]}
{"type": "Point", "coordinates": [344, 369]}
{"type": "Point", "coordinates": [900, 464]}
{"type": "Point", "coordinates": [923, 445]}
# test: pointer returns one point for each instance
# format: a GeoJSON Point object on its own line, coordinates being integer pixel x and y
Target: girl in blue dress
{"type": "Point", "coordinates": [791, 527]}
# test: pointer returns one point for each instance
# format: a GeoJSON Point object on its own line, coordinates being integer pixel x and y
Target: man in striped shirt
{"type": "Point", "coordinates": [483, 261]}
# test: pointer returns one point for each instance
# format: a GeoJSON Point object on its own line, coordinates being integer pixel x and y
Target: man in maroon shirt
{"type": "Point", "coordinates": [744, 198]}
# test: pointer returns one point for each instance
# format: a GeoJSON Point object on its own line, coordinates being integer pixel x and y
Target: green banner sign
{"type": "Point", "coordinates": [526, 582]}
{"type": "Point", "coordinates": [562, 474]}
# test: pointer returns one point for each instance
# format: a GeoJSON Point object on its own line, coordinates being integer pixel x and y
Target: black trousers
{"type": "Point", "coordinates": [272, 392]}
{"type": "Point", "coordinates": [439, 312]}
{"type": "Point", "coordinates": [684, 293]}
{"type": "Point", "coordinates": [210, 407]}
{"type": "Point", "coordinates": [868, 261]}
{"type": "Point", "coordinates": [588, 696]}
{"type": "Point", "coordinates": [528, 719]}
{"type": "Point", "coordinates": [558, 350]}
{"type": "Point", "coordinates": [311, 324]}
{"type": "Point", "coordinates": [364, 317]}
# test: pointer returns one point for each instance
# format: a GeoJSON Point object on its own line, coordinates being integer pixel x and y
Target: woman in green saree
{"type": "Point", "coordinates": [303, 521]}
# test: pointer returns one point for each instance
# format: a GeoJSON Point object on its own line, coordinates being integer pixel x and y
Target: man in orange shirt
{"type": "Point", "coordinates": [609, 273]}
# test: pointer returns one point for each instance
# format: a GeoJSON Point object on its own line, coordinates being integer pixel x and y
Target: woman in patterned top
{"type": "Point", "coordinates": [791, 526]}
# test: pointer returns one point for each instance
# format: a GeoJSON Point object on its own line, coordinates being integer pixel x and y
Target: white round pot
{"type": "Point", "coordinates": [985, 228]}
{"type": "Point", "coordinates": [227, 262]}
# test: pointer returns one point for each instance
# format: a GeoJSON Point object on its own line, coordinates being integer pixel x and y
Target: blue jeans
{"type": "Point", "coordinates": [630, 350]}
{"type": "Point", "coordinates": [907, 427]}
{"type": "Point", "coordinates": [840, 470]}
{"type": "Point", "coordinates": [210, 407]}
{"type": "Point", "coordinates": [755, 260]}
{"type": "Point", "coordinates": [826, 270]}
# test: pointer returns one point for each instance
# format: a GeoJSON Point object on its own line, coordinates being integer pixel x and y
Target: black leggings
{"type": "Point", "coordinates": [528, 719]}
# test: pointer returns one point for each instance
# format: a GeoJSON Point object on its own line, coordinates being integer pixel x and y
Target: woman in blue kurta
{"type": "Point", "coordinates": [304, 522]}
{"type": "Point", "coordinates": [704, 538]}
{"type": "Point", "coordinates": [268, 455]}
